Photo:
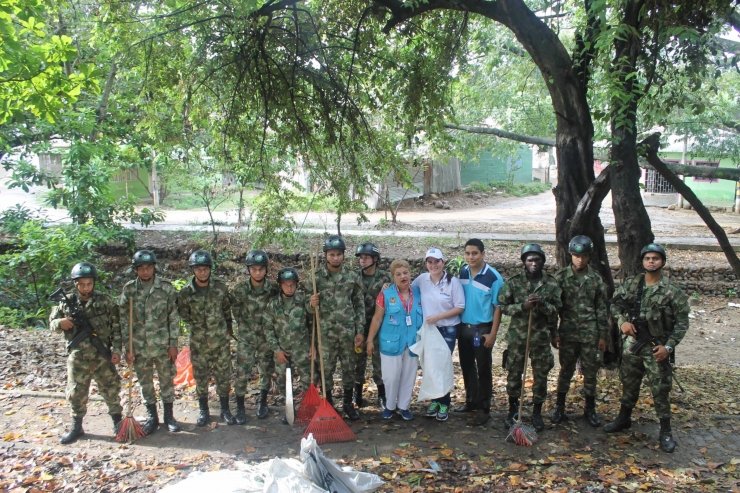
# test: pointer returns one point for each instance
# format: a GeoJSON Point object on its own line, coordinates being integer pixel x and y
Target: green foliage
{"type": "Point", "coordinates": [455, 265]}
{"type": "Point", "coordinates": [12, 219]}
{"type": "Point", "coordinates": [510, 189]}
{"type": "Point", "coordinates": [42, 257]}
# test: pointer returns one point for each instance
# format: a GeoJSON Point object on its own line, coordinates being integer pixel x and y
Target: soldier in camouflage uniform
{"type": "Point", "coordinates": [536, 291]}
{"type": "Point", "coordinates": [249, 304]}
{"type": "Point", "coordinates": [583, 327]}
{"type": "Point", "coordinates": [85, 361]}
{"type": "Point", "coordinates": [653, 315]}
{"type": "Point", "coordinates": [341, 308]}
{"type": "Point", "coordinates": [373, 279]}
{"type": "Point", "coordinates": [203, 304]}
{"type": "Point", "coordinates": [155, 331]}
{"type": "Point", "coordinates": [288, 325]}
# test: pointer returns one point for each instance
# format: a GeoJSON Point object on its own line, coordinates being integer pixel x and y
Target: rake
{"type": "Point", "coordinates": [311, 398]}
{"type": "Point", "coordinates": [130, 429]}
{"type": "Point", "coordinates": [520, 433]}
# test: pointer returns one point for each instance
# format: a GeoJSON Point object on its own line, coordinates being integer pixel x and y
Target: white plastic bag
{"type": "Point", "coordinates": [435, 360]}
{"type": "Point", "coordinates": [328, 475]}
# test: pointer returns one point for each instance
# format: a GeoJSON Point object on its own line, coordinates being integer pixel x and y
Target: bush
{"type": "Point", "coordinates": [11, 220]}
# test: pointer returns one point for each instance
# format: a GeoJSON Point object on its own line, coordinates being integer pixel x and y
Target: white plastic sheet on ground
{"type": "Point", "coordinates": [435, 360]}
{"type": "Point", "coordinates": [314, 473]}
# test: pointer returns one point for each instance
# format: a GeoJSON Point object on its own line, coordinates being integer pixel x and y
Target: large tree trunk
{"type": "Point", "coordinates": [630, 217]}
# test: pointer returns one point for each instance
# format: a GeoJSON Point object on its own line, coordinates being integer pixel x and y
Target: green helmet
{"type": "Point", "coordinates": [143, 257]}
{"type": "Point", "coordinates": [256, 257]}
{"type": "Point", "coordinates": [83, 269]}
{"type": "Point", "coordinates": [334, 242]}
{"type": "Point", "coordinates": [368, 249]}
{"type": "Point", "coordinates": [653, 247]}
{"type": "Point", "coordinates": [581, 245]}
{"type": "Point", "coordinates": [532, 248]}
{"type": "Point", "coordinates": [200, 257]}
{"type": "Point", "coordinates": [287, 274]}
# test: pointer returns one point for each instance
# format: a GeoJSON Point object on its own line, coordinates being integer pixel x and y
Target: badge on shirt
{"type": "Point", "coordinates": [392, 301]}
{"type": "Point", "coordinates": [408, 320]}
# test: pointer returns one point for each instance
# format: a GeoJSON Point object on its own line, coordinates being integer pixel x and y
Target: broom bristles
{"type": "Point", "coordinates": [522, 435]}
{"type": "Point", "coordinates": [328, 427]}
{"type": "Point", "coordinates": [129, 430]}
{"type": "Point", "coordinates": [308, 406]}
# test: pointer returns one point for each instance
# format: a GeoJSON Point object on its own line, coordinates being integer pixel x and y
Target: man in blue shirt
{"type": "Point", "coordinates": [480, 321]}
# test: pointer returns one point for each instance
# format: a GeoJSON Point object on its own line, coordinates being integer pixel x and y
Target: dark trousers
{"type": "Point", "coordinates": [476, 363]}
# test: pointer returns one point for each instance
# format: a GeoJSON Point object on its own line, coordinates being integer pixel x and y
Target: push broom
{"type": "Point", "coordinates": [130, 429]}
{"type": "Point", "coordinates": [520, 433]}
{"type": "Point", "coordinates": [326, 425]}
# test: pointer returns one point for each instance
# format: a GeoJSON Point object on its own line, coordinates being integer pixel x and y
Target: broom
{"type": "Point", "coordinates": [130, 429]}
{"type": "Point", "coordinates": [326, 425]}
{"type": "Point", "coordinates": [311, 398]}
{"type": "Point", "coordinates": [520, 433]}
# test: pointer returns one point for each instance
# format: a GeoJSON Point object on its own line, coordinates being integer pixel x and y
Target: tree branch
{"type": "Point", "coordinates": [527, 139]}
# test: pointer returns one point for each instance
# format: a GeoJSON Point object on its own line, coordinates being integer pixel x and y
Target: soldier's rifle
{"type": "Point", "coordinates": [644, 339]}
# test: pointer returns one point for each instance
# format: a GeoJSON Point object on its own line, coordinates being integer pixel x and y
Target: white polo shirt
{"type": "Point", "coordinates": [440, 297]}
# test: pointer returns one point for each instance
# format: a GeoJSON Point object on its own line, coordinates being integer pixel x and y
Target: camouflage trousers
{"type": "Point", "coordinates": [568, 354]}
{"type": "Point", "coordinates": [339, 346]}
{"type": "Point", "coordinates": [251, 352]}
{"type": "Point", "coordinates": [166, 373]}
{"type": "Point", "coordinates": [634, 367]}
{"type": "Point", "coordinates": [361, 365]}
{"type": "Point", "coordinates": [541, 361]}
{"type": "Point", "coordinates": [211, 358]}
{"type": "Point", "coordinates": [82, 367]}
{"type": "Point", "coordinates": [300, 366]}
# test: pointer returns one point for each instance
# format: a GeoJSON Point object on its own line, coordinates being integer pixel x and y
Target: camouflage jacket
{"type": "Point", "coordinates": [101, 312]}
{"type": "Point", "coordinates": [342, 304]}
{"type": "Point", "coordinates": [583, 315]}
{"type": "Point", "coordinates": [156, 323]}
{"type": "Point", "coordinates": [371, 286]}
{"type": "Point", "coordinates": [664, 306]}
{"type": "Point", "coordinates": [249, 304]}
{"type": "Point", "coordinates": [206, 311]}
{"type": "Point", "coordinates": [545, 315]}
{"type": "Point", "coordinates": [288, 322]}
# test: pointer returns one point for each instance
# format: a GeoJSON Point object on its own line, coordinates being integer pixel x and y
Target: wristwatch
{"type": "Point", "coordinates": [668, 348]}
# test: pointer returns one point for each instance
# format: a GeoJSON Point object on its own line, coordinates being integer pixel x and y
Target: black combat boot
{"type": "Point", "coordinates": [589, 412]}
{"type": "Point", "coordinates": [226, 415]}
{"type": "Point", "coordinates": [357, 396]}
{"type": "Point", "coordinates": [667, 443]}
{"type": "Point", "coordinates": [558, 414]}
{"type": "Point", "coordinates": [241, 413]}
{"type": "Point", "coordinates": [262, 408]}
{"type": "Point", "coordinates": [623, 421]}
{"type": "Point", "coordinates": [74, 433]}
{"type": "Point", "coordinates": [537, 421]}
{"type": "Point", "coordinates": [169, 418]}
{"type": "Point", "coordinates": [204, 416]}
{"type": "Point", "coordinates": [116, 422]}
{"type": "Point", "coordinates": [152, 421]}
{"type": "Point", "coordinates": [513, 413]}
{"type": "Point", "coordinates": [381, 396]}
{"type": "Point", "coordinates": [348, 407]}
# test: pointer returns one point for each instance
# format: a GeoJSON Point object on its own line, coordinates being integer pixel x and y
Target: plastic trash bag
{"type": "Point", "coordinates": [435, 360]}
{"type": "Point", "coordinates": [328, 475]}
{"type": "Point", "coordinates": [184, 368]}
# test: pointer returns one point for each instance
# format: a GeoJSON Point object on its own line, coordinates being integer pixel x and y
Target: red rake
{"type": "Point", "coordinates": [129, 429]}
{"type": "Point", "coordinates": [326, 425]}
{"type": "Point", "coordinates": [311, 398]}
{"type": "Point", "coordinates": [519, 433]}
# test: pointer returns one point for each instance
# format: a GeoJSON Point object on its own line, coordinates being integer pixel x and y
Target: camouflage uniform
{"type": "Point", "coordinates": [288, 323]}
{"type": "Point", "coordinates": [207, 312]}
{"type": "Point", "coordinates": [249, 305]}
{"type": "Point", "coordinates": [371, 287]}
{"type": "Point", "coordinates": [155, 330]}
{"type": "Point", "coordinates": [583, 321]}
{"type": "Point", "coordinates": [342, 314]}
{"type": "Point", "coordinates": [544, 327]}
{"type": "Point", "coordinates": [665, 308]}
{"type": "Point", "coordinates": [84, 363]}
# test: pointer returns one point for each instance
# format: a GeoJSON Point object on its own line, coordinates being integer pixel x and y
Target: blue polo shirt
{"type": "Point", "coordinates": [481, 294]}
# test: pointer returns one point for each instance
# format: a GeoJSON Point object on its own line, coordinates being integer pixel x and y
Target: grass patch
{"type": "Point", "coordinates": [509, 189]}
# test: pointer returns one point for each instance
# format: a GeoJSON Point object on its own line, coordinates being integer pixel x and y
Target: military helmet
{"type": "Point", "coordinates": [256, 257]}
{"type": "Point", "coordinates": [287, 274]}
{"type": "Point", "coordinates": [334, 242]}
{"type": "Point", "coordinates": [532, 248]}
{"type": "Point", "coordinates": [83, 269]}
{"type": "Point", "coordinates": [581, 245]}
{"type": "Point", "coordinates": [143, 257]}
{"type": "Point", "coordinates": [200, 257]}
{"type": "Point", "coordinates": [368, 249]}
{"type": "Point", "coordinates": [653, 247]}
